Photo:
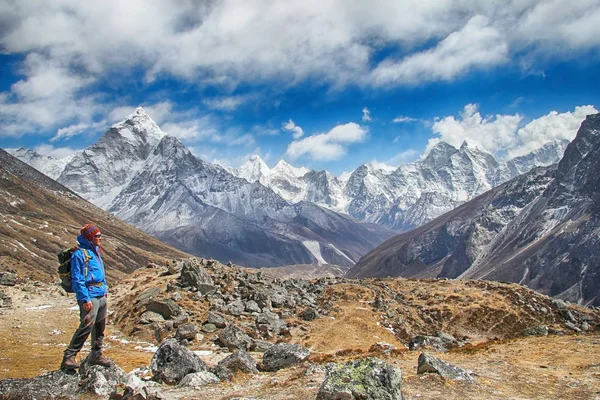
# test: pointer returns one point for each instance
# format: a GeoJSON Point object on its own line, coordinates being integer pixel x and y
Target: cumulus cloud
{"type": "Point", "coordinates": [72, 46]}
{"type": "Point", "coordinates": [51, 151]}
{"type": "Point", "coordinates": [553, 126]}
{"type": "Point", "coordinates": [502, 135]}
{"type": "Point", "coordinates": [366, 114]}
{"type": "Point", "coordinates": [478, 44]}
{"type": "Point", "coordinates": [290, 126]}
{"type": "Point", "coordinates": [327, 146]}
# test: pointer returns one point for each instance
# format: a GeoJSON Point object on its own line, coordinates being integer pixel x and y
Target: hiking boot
{"type": "Point", "coordinates": [100, 360]}
{"type": "Point", "coordinates": [69, 363]}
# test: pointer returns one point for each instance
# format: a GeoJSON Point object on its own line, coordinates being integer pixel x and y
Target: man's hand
{"type": "Point", "coordinates": [87, 306]}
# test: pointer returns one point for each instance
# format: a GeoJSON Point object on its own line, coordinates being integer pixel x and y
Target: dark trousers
{"type": "Point", "coordinates": [94, 322]}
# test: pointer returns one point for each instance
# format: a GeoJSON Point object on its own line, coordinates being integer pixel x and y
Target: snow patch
{"type": "Point", "coordinates": [315, 248]}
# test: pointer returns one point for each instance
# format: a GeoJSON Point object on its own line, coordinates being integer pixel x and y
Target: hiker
{"type": "Point", "coordinates": [89, 284]}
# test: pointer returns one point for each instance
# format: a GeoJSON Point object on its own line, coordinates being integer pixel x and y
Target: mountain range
{"type": "Point", "coordinates": [257, 216]}
{"type": "Point", "coordinates": [151, 180]}
{"type": "Point", "coordinates": [540, 229]}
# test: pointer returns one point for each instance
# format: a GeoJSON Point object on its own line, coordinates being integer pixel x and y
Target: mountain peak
{"type": "Point", "coordinates": [139, 126]}
{"type": "Point", "coordinates": [440, 154]}
{"type": "Point", "coordinates": [286, 168]}
{"type": "Point", "coordinates": [253, 169]}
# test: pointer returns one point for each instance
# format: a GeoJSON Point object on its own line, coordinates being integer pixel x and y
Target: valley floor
{"type": "Point", "coordinates": [35, 329]}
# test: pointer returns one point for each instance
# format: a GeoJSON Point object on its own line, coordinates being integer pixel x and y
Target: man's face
{"type": "Point", "coordinates": [96, 239]}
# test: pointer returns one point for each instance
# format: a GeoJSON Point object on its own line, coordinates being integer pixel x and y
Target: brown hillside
{"type": "Point", "coordinates": [38, 217]}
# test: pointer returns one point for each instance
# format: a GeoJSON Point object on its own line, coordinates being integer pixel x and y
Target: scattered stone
{"type": "Point", "coordinates": [540, 330]}
{"type": "Point", "coordinates": [425, 341]}
{"type": "Point", "coordinates": [309, 314]}
{"type": "Point", "coordinates": [146, 296]}
{"type": "Point", "coordinates": [51, 385]}
{"type": "Point", "coordinates": [236, 308]}
{"type": "Point", "coordinates": [167, 308]}
{"type": "Point", "coordinates": [269, 322]}
{"type": "Point", "coordinates": [209, 328]}
{"type": "Point", "coordinates": [172, 362]}
{"type": "Point", "coordinates": [382, 347]}
{"type": "Point", "coordinates": [148, 317]}
{"type": "Point", "coordinates": [193, 275]}
{"type": "Point", "coordinates": [8, 278]}
{"type": "Point", "coordinates": [283, 355]}
{"type": "Point", "coordinates": [99, 380]}
{"type": "Point", "coordinates": [233, 338]}
{"type": "Point", "coordinates": [428, 363]}
{"type": "Point", "coordinates": [186, 331]}
{"type": "Point", "coordinates": [239, 361]}
{"type": "Point", "coordinates": [365, 379]}
{"type": "Point", "coordinates": [216, 319]}
{"type": "Point", "coordinates": [252, 306]}
{"type": "Point", "coordinates": [198, 379]}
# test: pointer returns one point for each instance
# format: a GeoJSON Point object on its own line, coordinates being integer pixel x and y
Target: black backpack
{"type": "Point", "coordinates": [64, 267]}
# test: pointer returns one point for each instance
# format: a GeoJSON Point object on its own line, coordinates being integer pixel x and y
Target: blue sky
{"type": "Point", "coordinates": [327, 84]}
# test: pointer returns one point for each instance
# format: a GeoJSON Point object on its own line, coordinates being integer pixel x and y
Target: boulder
{"type": "Point", "coordinates": [239, 361]}
{"type": "Point", "coordinates": [51, 385]}
{"type": "Point", "coordinates": [198, 379]}
{"type": "Point", "coordinates": [99, 380]}
{"type": "Point", "coordinates": [428, 363]}
{"type": "Point", "coordinates": [233, 338]}
{"type": "Point", "coordinates": [193, 275]}
{"type": "Point", "coordinates": [427, 341]}
{"type": "Point", "coordinates": [365, 379]}
{"type": "Point", "coordinates": [252, 306]}
{"type": "Point", "coordinates": [216, 319]}
{"type": "Point", "coordinates": [147, 295]}
{"type": "Point", "coordinates": [172, 362]}
{"type": "Point", "coordinates": [8, 278]}
{"type": "Point", "coordinates": [309, 314]}
{"type": "Point", "coordinates": [186, 331]}
{"type": "Point", "coordinates": [149, 317]}
{"type": "Point", "coordinates": [270, 322]}
{"type": "Point", "coordinates": [167, 308]}
{"type": "Point", "coordinates": [283, 355]}
{"type": "Point", "coordinates": [540, 330]}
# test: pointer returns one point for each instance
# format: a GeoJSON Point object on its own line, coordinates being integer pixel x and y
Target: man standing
{"type": "Point", "coordinates": [89, 284]}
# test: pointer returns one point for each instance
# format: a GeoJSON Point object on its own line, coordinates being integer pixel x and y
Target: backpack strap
{"type": "Point", "coordinates": [86, 258]}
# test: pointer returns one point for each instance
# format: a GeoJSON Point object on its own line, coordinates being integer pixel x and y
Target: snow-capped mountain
{"type": "Point", "coordinates": [49, 166]}
{"type": "Point", "coordinates": [405, 197]}
{"type": "Point", "coordinates": [150, 179]}
{"type": "Point", "coordinates": [540, 229]}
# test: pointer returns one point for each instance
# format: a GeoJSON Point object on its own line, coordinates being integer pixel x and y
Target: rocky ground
{"type": "Point", "coordinates": [512, 342]}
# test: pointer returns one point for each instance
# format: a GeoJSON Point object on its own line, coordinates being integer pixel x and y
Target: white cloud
{"type": "Point", "coordinates": [403, 119]}
{"type": "Point", "coordinates": [226, 103]}
{"type": "Point", "coordinates": [327, 146]}
{"type": "Point", "coordinates": [57, 152]}
{"type": "Point", "coordinates": [204, 128]}
{"type": "Point", "coordinates": [553, 126]}
{"type": "Point", "coordinates": [71, 45]}
{"type": "Point", "coordinates": [502, 135]}
{"type": "Point", "coordinates": [366, 114]}
{"type": "Point", "coordinates": [290, 126]}
{"type": "Point", "coordinates": [404, 157]}
{"type": "Point", "coordinates": [478, 44]}
{"type": "Point", "coordinates": [76, 129]}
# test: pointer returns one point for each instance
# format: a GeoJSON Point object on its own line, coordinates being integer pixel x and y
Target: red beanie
{"type": "Point", "coordinates": [88, 231]}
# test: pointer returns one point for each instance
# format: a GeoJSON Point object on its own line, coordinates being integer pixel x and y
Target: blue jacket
{"type": "Point", "coordinates": [94, 284]}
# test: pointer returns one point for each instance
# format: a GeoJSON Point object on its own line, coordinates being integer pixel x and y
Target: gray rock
{"type": "Point", "coordinates": [209, 328]}
{"type": "Point", "coordinates": [540, 330]}
{"type": "Point", "coordinates": [193, 275]}
{"type": "Point", "coordinates": [233, 338]}
{"type": "Point", "coordinates": [428, 363]}
{"type": "Point", "coordinates": [239, 361]}
{"type": "Point", "coordinates": [186, 331]}
{"type": "Point", "coordinates": [172, 362]}
{"type": "Point", "coordinates": [51, 385]}
{"type": "Point", "coordinates": [146, 296]}
{"type": "Point", "coordinates": [198, 379]}
{"type": "Point", "coordinates": [236, 308]}
{"type": "Point", "coordinates": [424, 341]}
{"type": "Point", "coordinates": [364, 379]}
{"type": "Point", "coordinates": [252, 306]}
{"type": "Point", "coordinates": [148, 317]}
{"type": "Point", "coordinates": [8, 278]}
{"type": "Point", "coordinates": [261, 345]}
{"type": "Point", "coordinates": [309, 314]}
{"type": "Point", "coordinates": [277, 300]}
{"type": "Point", "coordinates": [167, 308]}
{"type": "Point", "coordinates": [99, 380]}
{"type": "Point", "coordinates": [269, 322]}
{"type": "Point", "coordinates": [216, 319]}
{"type": "Point", "coordinates": [283, 355]}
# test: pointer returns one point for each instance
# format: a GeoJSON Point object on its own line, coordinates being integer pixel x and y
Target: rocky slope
{"type": "Point", "coordinates": [539, 229]}
{"type": "Point", "coordinates": [40, 217]}
{"type": "Point", "coordinates": [510, 341]}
